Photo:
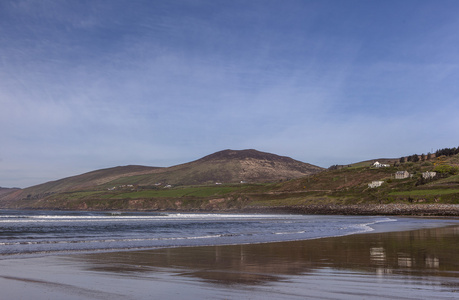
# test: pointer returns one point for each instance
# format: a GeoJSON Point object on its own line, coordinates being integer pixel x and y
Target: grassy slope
{"type": "Point", "coordinates": [350, 186]}
{"type": "Point", "coordinates": [189, 198]}
{"type": "Point", "coordinates": [81, 182]}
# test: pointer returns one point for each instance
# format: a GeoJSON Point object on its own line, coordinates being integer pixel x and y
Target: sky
{"type": "Point", "coordinates": [86, 85]}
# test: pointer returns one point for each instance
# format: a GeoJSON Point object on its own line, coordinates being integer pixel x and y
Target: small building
{"type": "Point", "coordinates": [375, 184]}
{"type": "Point", "coordinates": [429, 175]}
{"type": "Point", "coordinates": [377, 164]}
{"type": "Point", "coordinates": [402, 174]}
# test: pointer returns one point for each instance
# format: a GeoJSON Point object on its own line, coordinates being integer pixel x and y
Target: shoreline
{"type": "Point", "coordinates": [398, 224]}
{"type": "Point", "coordinates": [398, 209]}
{"type": "Point", "coordinates": [417, 263]}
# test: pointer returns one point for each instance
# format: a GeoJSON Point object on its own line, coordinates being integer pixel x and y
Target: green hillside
{"type": "Point", "coordinates": [336, 187]}
{"type": "Point", "coordinates": [350, 185]}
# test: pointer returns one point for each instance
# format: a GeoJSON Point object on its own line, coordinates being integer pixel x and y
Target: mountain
{"type": "Point", "coordinates": [231, 166]}
{"type": "Point", "coordinates": [227, 166]}
{"type": "Point", "coordinates": [5, 191]}
{"type": "Point", "coordinates": [74, 183]}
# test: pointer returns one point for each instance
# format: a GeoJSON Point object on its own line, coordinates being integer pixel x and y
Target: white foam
{"type": "Point", "coordinates": [366, 227]}
{"type": "Point", "coordinates": [118, 217]}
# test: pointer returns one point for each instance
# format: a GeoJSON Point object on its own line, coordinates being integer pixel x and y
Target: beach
{"type": "Point", "coordinates": [389, 263]}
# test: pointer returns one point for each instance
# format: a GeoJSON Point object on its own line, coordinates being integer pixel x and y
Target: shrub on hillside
{"type": "Point", "coordinates": [446, 169]}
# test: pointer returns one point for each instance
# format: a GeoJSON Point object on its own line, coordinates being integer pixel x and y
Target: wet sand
{"type": "Point", "coordinates": [417, 264]}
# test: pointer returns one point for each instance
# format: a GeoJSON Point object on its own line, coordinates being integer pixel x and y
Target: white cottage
{"type": "Point", "coordinates": [375, 184]}
{"type": "Point", "coordinates": [428, 175]}
{"type": "Point", "coordinates": [377, 164]}
{"type": "Point", "coordinates": [402, 174]}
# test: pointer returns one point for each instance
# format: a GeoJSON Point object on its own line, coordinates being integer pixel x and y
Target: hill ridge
{"type": "Point", "coordinates": [227, 166]}
{"type": "Point", "coordinates": [242, 154]}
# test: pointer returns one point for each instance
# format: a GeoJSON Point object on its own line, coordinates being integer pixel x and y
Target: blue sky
{"type": "Point", "coordinates": [92, 84]}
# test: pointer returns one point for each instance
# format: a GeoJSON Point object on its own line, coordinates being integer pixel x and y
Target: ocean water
{"type": "Point", "coordinates": [25, 233]}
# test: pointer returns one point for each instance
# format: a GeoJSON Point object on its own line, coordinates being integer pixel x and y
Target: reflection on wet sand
{"type": "Point", "coordinates": [420, 253]}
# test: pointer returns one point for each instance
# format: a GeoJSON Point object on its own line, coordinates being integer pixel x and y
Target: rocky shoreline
{"type": "Point", "coordinates": [366, 209]}
{"type": "Point", "coordinates": [399, 209]}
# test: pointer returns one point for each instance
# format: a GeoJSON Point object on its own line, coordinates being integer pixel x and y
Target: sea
{"type": "Point", "coordinates": [40, 233]}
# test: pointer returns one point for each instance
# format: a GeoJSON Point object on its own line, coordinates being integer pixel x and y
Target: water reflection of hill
{"type": "Point", "coordinates": [426, 252]}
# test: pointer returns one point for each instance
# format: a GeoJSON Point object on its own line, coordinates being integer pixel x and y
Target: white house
{"type": "Point", "coordinates": [428, 175]}
{"type": "Point", "coordinates": [402, 174]}
{"type": "Point", "coordinates": [379, 165]}
{"type": "Point", "coordinates": [375, 184]}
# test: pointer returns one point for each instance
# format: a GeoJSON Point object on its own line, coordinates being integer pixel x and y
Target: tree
{"type": "Point", "coordinates": [447, 151]}
{"type": "Point", "coordinates": [402, 160]}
